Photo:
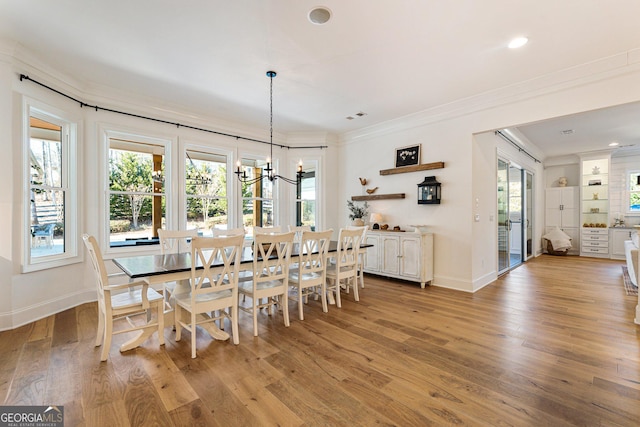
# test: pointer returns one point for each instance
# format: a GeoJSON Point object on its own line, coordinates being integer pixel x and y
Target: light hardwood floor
{"type": "Point", "coordinates": [552, 343]}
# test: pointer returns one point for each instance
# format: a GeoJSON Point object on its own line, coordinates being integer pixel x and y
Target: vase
{"type": "Point", "coordinates": [358, 222]}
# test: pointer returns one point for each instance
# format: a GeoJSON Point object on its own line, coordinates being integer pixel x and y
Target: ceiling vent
{"type": "Point", "coordinates": [319, 15]}
{"type": "Point", "coordinates": [567, 132]}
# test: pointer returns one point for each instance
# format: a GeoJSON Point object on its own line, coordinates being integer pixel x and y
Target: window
{"type": "Point", "coordinates": [51, 210]}
{"type": "Point", "coordinates": [206, 191]}
{"type": "Point", "coordinates": [633, 198]}
{"type": "Point", "coordinates": [136, 193]}
{"type": "Point", "coordinates": [306, 198]}
{"type": "Point", "coordinates": [257, 198]}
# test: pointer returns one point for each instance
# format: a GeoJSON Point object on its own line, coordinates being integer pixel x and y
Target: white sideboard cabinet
{"type": "Point", "coordinates": [403, 255]}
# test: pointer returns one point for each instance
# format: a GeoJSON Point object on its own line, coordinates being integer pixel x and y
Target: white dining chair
{"type": "Point", "coordinates": [309, 274]}
{"type": "Point", "coordinates": [267, 230]}
{"type": "Point", "coordinates": [219, 232]}
{"type": "Point", "coordinates": [126, 300]}
{"type": "Point", "coordinates": [362, 253]}
{"type": "Point", "coordinates": [299, 229]}
{"type": "Point", "coordinates": [343, 274]}
{"type": "Point", "coordinates": [270, 282]}
{"type": "Point", "coordinates": [214, 287]}
{"type": "Point", "coordinates": [173, 242]}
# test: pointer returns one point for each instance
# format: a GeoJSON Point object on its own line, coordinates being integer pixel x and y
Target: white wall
{"type": "Point", "coordinates": [463, 249]}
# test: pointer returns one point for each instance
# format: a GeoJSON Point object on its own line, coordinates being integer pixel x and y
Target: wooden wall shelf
{"type": "Point", "coordinates": [378, 197]}
{"type": "Point", "coordinates": [416, 168]}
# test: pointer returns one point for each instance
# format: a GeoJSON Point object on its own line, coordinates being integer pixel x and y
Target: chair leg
{"type": "Point", "coordinates": [193, 334]}
{"type": "Point", "coordinates": [300, 303]}
{"type": "Point", "coordinates": [323, 296]}
{"type": "Point", "coordinates": [100, 333]}
{"type": "Point", "coordinates": [354, 282]}
{"type": "Point", "coordinates": [285, 309]}
{"type": "Point", "coordinates": [177, 322]}
{"type": "Point", "coordinates": [161, 322]}
{"type": "Point", "coordinates": [234, 324]}
{"type": "Point", "coordinates": [108, 333]}
{"type": "Point", "coordinates": [254, 311]}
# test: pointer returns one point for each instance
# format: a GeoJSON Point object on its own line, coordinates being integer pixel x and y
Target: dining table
{"type": "Point", "coordinates": [158, 269]}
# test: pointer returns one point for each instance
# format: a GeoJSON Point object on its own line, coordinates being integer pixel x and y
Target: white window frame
{"type": "Point", "coordinates": [69, 185]}
{"type": "Point", "coordinates": [228, 155]}
{"type": "Point", "coordinates": [275, 195]}
{"type": "Point", "coordinates": [627, 192]}
{"type": "Point", "coordinates": [142, 138]}
{"type": "Point", "coordinates": [315, 164]}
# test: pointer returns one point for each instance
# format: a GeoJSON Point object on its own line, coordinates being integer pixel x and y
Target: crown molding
{"type": "Point", "coordinates": [591, 72]}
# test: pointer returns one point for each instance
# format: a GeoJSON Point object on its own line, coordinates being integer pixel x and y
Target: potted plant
{"type": "Point", "coordinates": [357, 212]}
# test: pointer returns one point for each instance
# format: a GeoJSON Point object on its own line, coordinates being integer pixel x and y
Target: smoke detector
{"type": "Point", "coordinates": [319, 15]}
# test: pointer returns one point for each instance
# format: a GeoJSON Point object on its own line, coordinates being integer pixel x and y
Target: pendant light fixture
{"type": "Point", "coordinates": [270, 172]}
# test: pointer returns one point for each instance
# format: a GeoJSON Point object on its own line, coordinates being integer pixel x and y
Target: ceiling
{"type": "Point", "coordinates": [208, 58]}
{"type": "Point", "coordinates": [586, 132]}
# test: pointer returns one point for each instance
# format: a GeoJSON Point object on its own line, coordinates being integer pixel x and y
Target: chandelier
{"type": "Point", "coordinates": [270, 173]}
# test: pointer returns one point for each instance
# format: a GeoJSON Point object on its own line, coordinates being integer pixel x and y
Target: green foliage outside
{"type": "Point", "coordinates": [130, 172]}
{"type": "Point", "coordinates": [206, 186]}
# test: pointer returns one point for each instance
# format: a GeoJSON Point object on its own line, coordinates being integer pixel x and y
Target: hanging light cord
{"type": "Point", "coordinates": [179, 125]}
{"type": "Point", "coordinates": [270, 172]}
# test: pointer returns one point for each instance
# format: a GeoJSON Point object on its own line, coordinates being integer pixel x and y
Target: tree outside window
{"type": "Point", "coordinates": [206, 191]}
{"type": "Point", "coordinates": [136, 192]}
{"type": "Point", "coordinates": [257, 198]}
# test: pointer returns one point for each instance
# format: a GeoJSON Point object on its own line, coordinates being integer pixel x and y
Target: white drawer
{"type": "Point", "coordinates": [595, 231]}
{"type": "Point", "coordinates": [588, 249]}
{"type": "Point", "coordinates": [592, 244]}
{"type": "Point", "coordinates": [595, 237]}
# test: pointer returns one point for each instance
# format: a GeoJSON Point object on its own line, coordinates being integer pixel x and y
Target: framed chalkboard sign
{"type": "Point", "coordinates": [408, 156]}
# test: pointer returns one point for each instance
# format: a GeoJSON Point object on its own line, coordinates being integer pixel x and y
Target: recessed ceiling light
{"type": "Point", "coordinates": [518, 42]}
{"type": "Point", "coordinates": [319, 15]}
{"type": "Point", "coordinates": [614, 144]}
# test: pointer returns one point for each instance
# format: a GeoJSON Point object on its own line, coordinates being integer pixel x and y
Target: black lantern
{"type": "Point", "coordinates": [429, 191]}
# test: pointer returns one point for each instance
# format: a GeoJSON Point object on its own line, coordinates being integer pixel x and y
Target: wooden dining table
{"type": "Point", "coordinates": [158, 269]}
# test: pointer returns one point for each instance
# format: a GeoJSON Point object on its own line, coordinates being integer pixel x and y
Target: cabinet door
{"type": "Point", "coordinates": [618, 238]}
{"type": "Point", "coordinates": [570, 206]}
{"type": "Point", "coordinates": [410, 257]}
{"type": "Point", "coordinates": [569, 196]}
{"type": "Point", "coordinates": [390, 253]}
{"type": "Point", "coordinates": [371, 261]}
{"type": "Point", "coordinates": [561, 207]}
{"type": "Point", "coordinates": [553, 202]}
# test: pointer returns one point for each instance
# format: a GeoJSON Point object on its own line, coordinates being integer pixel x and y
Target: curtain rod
{"type": "Point", "coordinates": [506, 138]}
{"type": "Point", "coordinates": [179, 125]}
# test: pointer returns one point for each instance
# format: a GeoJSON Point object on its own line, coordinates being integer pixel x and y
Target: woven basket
{"type": "Point", "coordinates": [552, 252]}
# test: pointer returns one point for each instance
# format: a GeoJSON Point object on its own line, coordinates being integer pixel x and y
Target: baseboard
{"type": "Point", "coordinates": [26, 315]}
{"type": "Point", "coordinates": [485, 280]}
{"type": "Point", "coordinates": [452, 283]}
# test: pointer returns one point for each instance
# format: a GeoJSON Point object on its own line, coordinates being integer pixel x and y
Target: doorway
{"type": "Point", "coordinates": [515, 211]}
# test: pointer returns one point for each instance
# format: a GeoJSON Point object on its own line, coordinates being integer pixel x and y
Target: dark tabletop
{"type": "Point", "coordinates": [156, 264]}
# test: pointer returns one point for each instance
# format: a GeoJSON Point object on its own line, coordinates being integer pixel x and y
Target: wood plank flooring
{"type": "Point", "coordinates": [552, 343]}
